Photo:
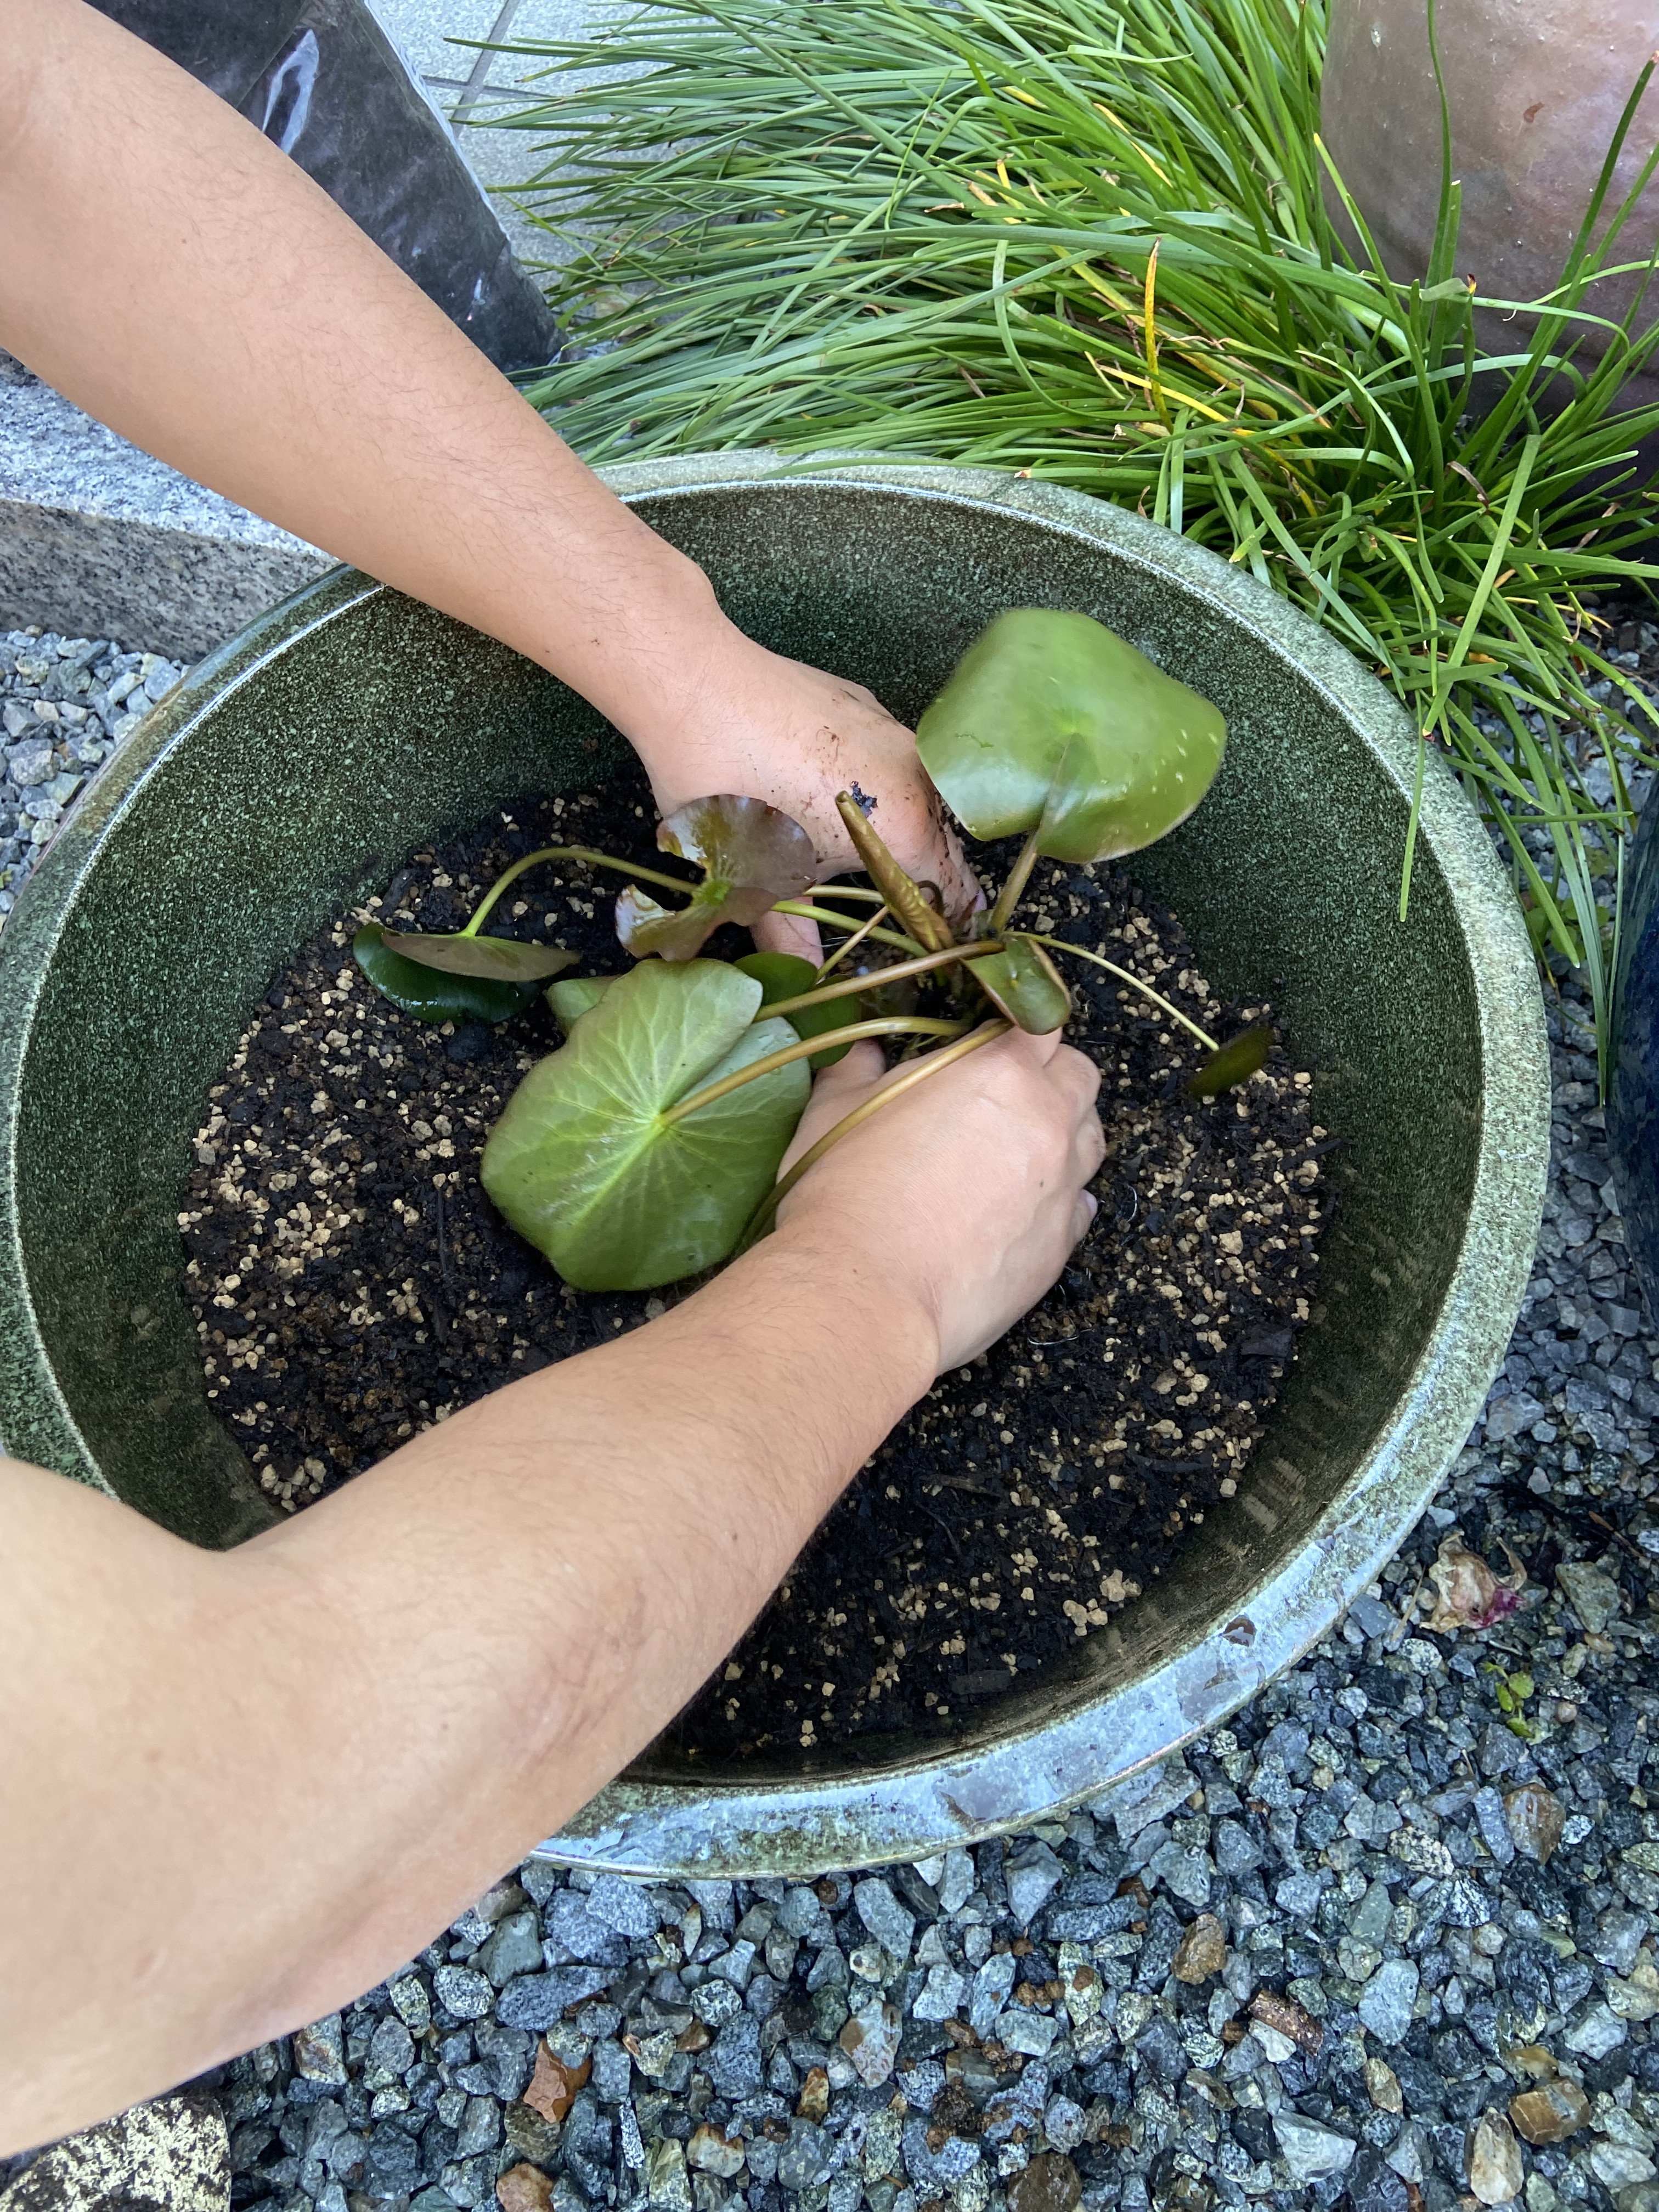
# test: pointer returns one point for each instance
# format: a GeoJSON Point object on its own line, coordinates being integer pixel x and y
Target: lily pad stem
{"type": "Point", "coordinates": [851, 944]}
{"type": "Point", "coordinates": [1134, 983]}
{"type": "Point", "coordinates": [1018, 876]}
{"type": "Point", "coordinates": [886, 1025]}
{"type": "Point", "coordinates": [850, 986]}
{"type": "Point", "coordinates": [568, 853]}
{"type": "Point", "coordinates": [809, 913]}
{"type": "Point", "coordinates": [761, 1220]}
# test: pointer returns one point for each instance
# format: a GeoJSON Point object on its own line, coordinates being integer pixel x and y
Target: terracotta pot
{"type": "Point", "coordinates": [1535, 89]}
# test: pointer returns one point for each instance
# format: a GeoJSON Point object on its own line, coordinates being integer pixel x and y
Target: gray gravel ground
{"type": "Point", "coordinates": [64, 703]}
{"type": "Point", "coordinates": [1322, 1956]}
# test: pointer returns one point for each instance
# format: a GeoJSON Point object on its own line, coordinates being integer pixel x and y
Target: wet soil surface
{"type": "Point", "coordinates": [352, 1284]}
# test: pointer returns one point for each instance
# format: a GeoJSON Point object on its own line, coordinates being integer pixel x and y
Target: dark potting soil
{"type": "Point", "coordinates": [352, 1284]}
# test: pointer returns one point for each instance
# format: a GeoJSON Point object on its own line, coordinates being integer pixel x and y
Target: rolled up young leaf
{"type": "Point", "coordinates": [1052, 723]}
{"type": "Point", "coordinates": [905, 898]}
{"type": "Point", "coordinates": [582, 1162]}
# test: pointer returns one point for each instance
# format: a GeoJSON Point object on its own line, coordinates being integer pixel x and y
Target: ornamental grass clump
{"type": "Point", "coordinates": [1102, 243]}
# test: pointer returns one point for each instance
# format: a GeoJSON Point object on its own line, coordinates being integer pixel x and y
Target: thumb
{"type": "Point", "coordinates": [789, 932]}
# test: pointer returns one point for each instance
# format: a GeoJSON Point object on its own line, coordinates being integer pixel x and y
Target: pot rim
{"type": "Point", "coordinates": [943, 1796]}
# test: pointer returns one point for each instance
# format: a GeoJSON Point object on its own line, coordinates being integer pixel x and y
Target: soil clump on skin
{"type": "Point", "coordinates": [352, 1284]}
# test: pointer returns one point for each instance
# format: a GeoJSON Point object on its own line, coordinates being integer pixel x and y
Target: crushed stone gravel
{"type": "Point", "coordinates": [65, 703]}
{"type": "Point", "coordinates": [1386, 1941]}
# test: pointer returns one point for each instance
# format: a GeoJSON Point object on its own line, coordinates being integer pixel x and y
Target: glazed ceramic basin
{"type": "Point", "coordinates": [299, 765]}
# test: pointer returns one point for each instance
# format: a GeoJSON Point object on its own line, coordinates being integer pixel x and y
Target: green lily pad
{"type": "Point", "coordinates": [1023, 982]}
{"type": "Point", "coordinates": [428, 994]}
{"type": "Point", "coordinates": [1052, 722]}
{"type": "Point", "coordinates": [785, 976]}
{"type": "Point", "coordinates": [582, 1161]}
{"type": "Point", "coordinates": [497, 959]}
{"type": "Point", "coordinates": [879, 999]}
{"type": "Point", "coordinates": [575, 996]}
{"type": "Point", "coordinates": [752, 855]}
{"type": "Point", "coordinates": [1232, 1063]}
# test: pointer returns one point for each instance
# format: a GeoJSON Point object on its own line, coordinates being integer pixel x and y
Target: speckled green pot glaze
{"type": "Point", "coordinates": [347, 726]}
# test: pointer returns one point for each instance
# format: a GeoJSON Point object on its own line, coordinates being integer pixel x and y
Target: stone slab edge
{"type": "Point", "coordinates": [97, 535]}
{"type": "Point", "coordinates": [154, 588]}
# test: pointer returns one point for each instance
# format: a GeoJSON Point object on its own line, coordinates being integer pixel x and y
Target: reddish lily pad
{"type": "Point", "coordinates": [752, 855]}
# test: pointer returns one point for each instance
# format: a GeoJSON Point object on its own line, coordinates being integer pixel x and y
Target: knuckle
{"type": "Point", "coordinates": [1084, 1072]}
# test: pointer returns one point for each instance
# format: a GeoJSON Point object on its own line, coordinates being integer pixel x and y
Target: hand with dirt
{"type": "Point", "coordinates": [770, 728]}
{"type": "Point", "coordinates": [245, 1749]}
{"type": "Point", "coordinates": [1014, 1122]}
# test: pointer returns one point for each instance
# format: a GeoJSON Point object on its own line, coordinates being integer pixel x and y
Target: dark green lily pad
{"type": "Point", "coordinates": [1023, 982]}
{"type": "Point", "coordinates": [1232, 1063]}
{"type": "Point", "coordinates": [428, 994]}
{"type": "Point", "coordinates": [582, 1161]}
{"type": "Point", "coordinates": [497, 959]}
{"type": "Point", "coordinates": [1052, 722]}
{"type": "Point", "coordinates": [752, 855]}
{"type": "Point", "coordinates": [785, 976]}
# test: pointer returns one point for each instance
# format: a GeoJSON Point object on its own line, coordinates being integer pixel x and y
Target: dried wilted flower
{"type": "Point", "coordinates": [1467, 1593]}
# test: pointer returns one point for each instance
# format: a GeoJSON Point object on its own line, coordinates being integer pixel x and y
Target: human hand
{"type": "Point", "coordinates": [1014, 1123]}
{"type": "Point", "coordinates": [778, 730]}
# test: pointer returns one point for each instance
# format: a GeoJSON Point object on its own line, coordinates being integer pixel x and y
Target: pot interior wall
{"type": "Point", "coordinates": [314, 769]}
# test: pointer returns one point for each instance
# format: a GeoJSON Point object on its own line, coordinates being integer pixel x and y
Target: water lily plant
{"type": "Point", "coordinates": [646, 1147]}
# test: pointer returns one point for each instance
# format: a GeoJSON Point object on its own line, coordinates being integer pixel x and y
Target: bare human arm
{"type": "Point", "coordinates": [238, 1788]}
{"type": "Point", "coordinates": [178, 276]}
{"type": "Point", "coordinates": [241, 1788]}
